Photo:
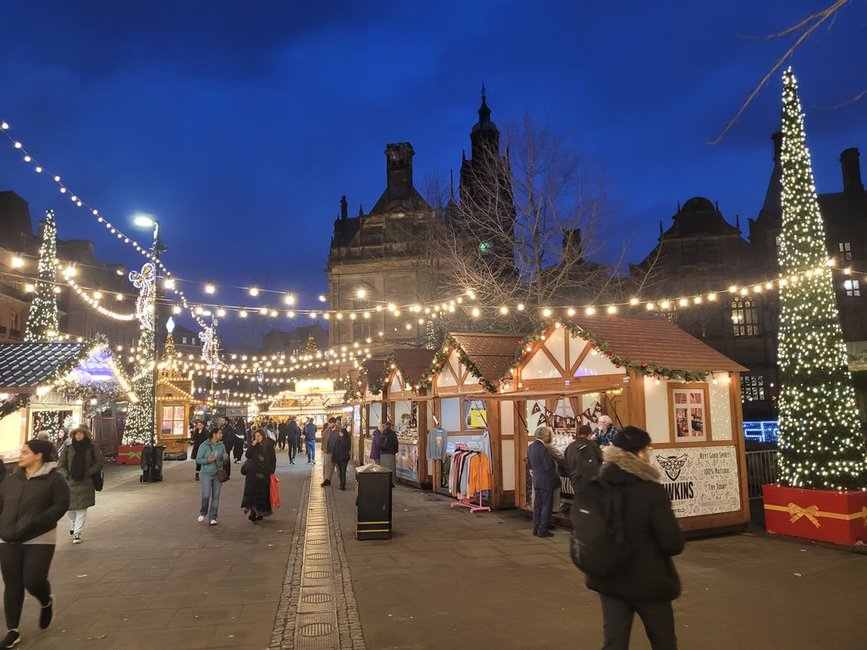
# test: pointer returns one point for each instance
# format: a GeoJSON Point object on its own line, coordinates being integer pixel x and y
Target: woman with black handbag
{"type": "Point", "coordinates": [81, 462]}
{"type": "Point", "coordinates": [261, 463]}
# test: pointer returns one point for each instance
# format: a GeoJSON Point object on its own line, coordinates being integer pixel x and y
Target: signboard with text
{"type": "Point", "coordinates": [700, 480]}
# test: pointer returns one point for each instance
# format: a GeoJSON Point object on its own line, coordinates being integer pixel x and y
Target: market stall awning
{"type": "Point", "coordinates": [25, 366]}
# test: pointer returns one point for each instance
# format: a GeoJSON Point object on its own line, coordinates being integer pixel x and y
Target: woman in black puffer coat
{"type": "Point", "coordinates": [341, 453]}
{"type": "Point", "coordinates": [32, 499]}
{"type": "Point", "coordinates": [261, 463]}
{"type": "Point", "coordinates": [648, 582]}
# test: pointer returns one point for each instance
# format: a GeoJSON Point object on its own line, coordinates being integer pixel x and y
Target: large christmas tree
{"type": "Point", "coordinates": [42, 324]}
{"type": "Point", "coordinates": [821, 444]}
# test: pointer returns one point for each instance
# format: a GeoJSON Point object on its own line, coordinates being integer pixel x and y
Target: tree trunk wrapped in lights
{"type": "Point", "coordinates": [42, 323]}
{"type": "Point", "coordinates": [821, 444]}
{"type": "Point", "coordinates": [139, 427]}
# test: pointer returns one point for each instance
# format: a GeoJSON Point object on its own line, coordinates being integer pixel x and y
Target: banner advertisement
{"type": "Point", "coordinates": [700, 480]}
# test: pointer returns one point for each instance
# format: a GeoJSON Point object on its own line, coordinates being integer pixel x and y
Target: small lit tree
{"type": "Point", "coordinates": [821, 444]}
{"type": "Point", "coordinates": [42, 322]}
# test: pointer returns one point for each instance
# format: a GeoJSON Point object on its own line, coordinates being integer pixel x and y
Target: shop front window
{"type": "Point", "coordinates": [173, 421]}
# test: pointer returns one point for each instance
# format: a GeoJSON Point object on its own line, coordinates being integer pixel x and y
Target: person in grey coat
{"type": "Point", "coordinates": [546, 479]}
{"type": "Point", "coordinates": [79, 462]}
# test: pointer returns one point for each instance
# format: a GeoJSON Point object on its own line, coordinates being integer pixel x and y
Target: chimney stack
{"type": "Point", "coordinates": [851, 170]}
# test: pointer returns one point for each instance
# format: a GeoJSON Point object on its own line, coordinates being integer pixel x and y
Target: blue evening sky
{"type": "Point", "coordinates": [240, 124]}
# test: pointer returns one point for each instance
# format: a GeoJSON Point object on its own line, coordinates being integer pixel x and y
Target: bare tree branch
{"type": "Point", "coordinates": [817, 20]}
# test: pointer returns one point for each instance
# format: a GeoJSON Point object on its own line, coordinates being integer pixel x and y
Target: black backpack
{"type": "Point", "coordinates": [586, 468]}
{"type": "Point", "coordinates": [599, 545]}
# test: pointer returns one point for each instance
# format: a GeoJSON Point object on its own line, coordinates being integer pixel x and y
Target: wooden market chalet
{"type": "Point", "coordinates": [490, 392]}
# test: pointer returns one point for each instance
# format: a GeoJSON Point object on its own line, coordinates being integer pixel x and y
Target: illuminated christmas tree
{"type": "Point", "coordinates": [821, 445]}
{"type": "Point", "coordinates": [311, 345]}
{"type": "Point", "coordinates": [42, 324]}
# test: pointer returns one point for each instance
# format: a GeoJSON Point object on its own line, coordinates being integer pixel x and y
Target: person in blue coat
{"type": "Point", "coordinates": [546, 479]}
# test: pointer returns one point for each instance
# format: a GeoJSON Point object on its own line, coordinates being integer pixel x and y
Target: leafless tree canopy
{"type": "Point", "coordinates": [527, 228]}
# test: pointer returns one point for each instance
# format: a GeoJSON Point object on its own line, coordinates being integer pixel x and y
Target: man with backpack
{"type": "Point", "coordinates": [624, 536]}
{"type": "Point", "coordinates": [583, 459]}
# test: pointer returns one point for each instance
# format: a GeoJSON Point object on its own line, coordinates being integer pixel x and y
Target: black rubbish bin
{"type": "Point", "coordinates": [373, 498]}
{"type": "Point", "coordinates": [152, 463]}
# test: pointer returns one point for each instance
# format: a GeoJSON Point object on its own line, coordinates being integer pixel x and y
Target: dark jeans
{"type": "Point", "coordinates": [542, 507]}
{"type": "Point", "coordinates": [238, 449]}
{"type": "Point", "coordinates": [281, 441]}
{"type": "Point", "coordinates": [657, 616]}
{"type": "Point", "coordinates": [294, 447]}
{"type": "Point", "coordinates": [24, 566]}
{"type": "Point", "coordinates": [341, 470]}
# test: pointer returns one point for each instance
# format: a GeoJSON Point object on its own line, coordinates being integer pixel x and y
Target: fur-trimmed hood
{"type": "Point", "coordinates": [630, 463]}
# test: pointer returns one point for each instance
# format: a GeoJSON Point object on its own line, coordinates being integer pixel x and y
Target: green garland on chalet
{"type": "Point", "coordinates": [641, 367]}
{"type": "Point", "coordinates": [441, 358]}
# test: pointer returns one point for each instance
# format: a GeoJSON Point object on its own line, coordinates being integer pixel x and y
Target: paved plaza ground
{"type": "Point", "coordinates": [148, 576]}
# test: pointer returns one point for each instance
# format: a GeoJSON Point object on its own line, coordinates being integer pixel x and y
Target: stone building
{"type": "Point", "coordinates": [380, 257]}
{"type": "Point", "coordinates": [701, 249]}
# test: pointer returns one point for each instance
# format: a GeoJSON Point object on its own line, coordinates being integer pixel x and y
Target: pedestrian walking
{"type": "Point", "coordinates": [310, 440]}
{"type": "Point", "coordinates": [545, 478]}
{"type": "Point", "coordinates": [327, 446]}
{"type": "Point", "coordinates": [293, 432]}
{"type": "Point", "coordinates": [212, 457]}
{"type": "Point", "coordinates": [200, 434]}
{"type": "Point", "coordinates": [240, 429]}
{"type": "Point", "coordinates": [229, 442]}
{"type": "Point", "coordinates": [79, 462]}
{"type": "Point", "coordinates": [647, 582]}
{"type": "Point", "coordinates": [261, 463]}
{"type": "Point", "coordinates": [340, 453]}
{"type": "Point", "coordinates": [282, 434]}
{"type": "Point", "coordinates": [32, 500]}
{"type": "Point", "coordinates": [388, 448]}
{"type": "Point", "coordinates": [374, 444]}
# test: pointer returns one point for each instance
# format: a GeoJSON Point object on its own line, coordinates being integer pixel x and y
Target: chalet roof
{"type": "Point", "coordinates": [412, 361]}
{"type": "Point", "coordinates": [493, 354]}
{"type": "Point", "coordinates": [656, 341]}
{"type": "Point", "coordinates": [28, 365]}
{"type": "Point", "coordinates": [374, 368]}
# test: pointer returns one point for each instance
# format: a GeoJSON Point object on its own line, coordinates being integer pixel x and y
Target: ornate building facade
{"type": "Point", "coordinates": [701, 249]}
{"type": "Point", "coordinates": [383, 256]}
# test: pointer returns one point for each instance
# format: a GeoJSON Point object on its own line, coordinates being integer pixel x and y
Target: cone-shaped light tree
{"type": "Point", "coordinates": [42, 323]}
{"type": "Point", "coordinates": [821, 444]}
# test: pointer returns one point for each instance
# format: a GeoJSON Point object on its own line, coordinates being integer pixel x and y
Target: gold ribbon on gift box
{"type": "Point", "coordinates": [812, 513]}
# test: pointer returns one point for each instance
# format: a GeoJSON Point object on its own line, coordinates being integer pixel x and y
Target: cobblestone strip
{"type": "Point", "coordinates": [287, 610]}
{"type": "Point", "coordinates": [348, 622]}
{"type": "Point", "coordinates": [316, 625]}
